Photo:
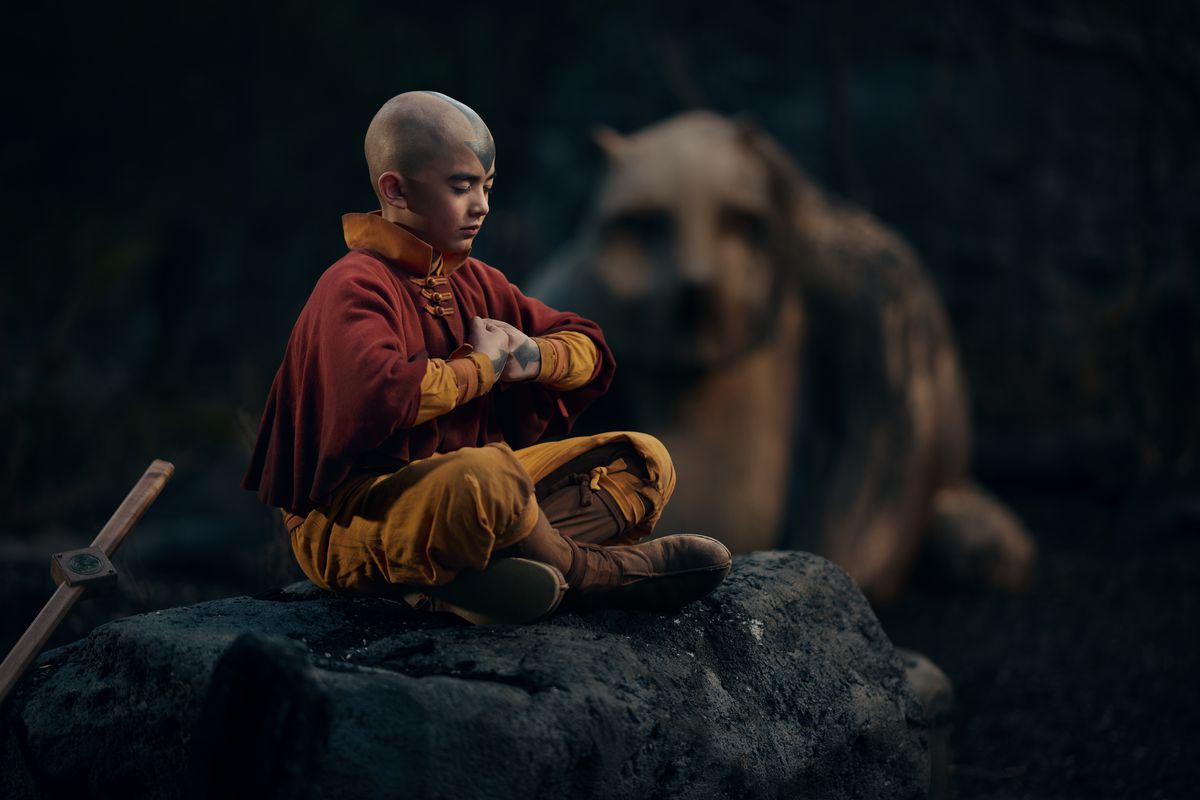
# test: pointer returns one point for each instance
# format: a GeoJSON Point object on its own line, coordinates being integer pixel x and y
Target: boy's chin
{"type": "Point", "coordinates": [460, 244]}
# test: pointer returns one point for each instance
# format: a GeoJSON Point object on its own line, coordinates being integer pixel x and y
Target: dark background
{"type": "Point", "coordinates": [173, 177]}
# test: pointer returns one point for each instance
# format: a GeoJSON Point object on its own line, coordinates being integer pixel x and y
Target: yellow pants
{"type": "Point", "coordinates": [423, 523]}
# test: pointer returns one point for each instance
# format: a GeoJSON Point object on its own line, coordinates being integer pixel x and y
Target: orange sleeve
{"type": "Point", "coordinates": [568, 359]}
{"type": "Point", "coordinates": [450, 383]}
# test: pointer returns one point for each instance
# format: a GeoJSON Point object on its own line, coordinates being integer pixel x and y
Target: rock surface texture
{"type": "Point", "coordinates": [780, 684]}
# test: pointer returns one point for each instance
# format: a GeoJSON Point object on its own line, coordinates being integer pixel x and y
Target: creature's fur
{"type": "Point", "coordinates": [790, 351]}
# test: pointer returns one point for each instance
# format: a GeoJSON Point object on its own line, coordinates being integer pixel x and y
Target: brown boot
{"type": "Point", "coordinates": [508, 591]}
{"type": "Point", "coordinates": [659, 575]}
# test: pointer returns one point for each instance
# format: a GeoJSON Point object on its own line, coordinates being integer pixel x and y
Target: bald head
{"type": "Point", "coordinates": [416, 128]}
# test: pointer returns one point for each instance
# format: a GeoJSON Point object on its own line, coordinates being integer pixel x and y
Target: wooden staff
{"type": "Point", "coordinates": [77, 570]}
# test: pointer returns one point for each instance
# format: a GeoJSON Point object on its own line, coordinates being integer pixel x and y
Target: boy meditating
{"type": "Point", "coordinates": [400, 433]}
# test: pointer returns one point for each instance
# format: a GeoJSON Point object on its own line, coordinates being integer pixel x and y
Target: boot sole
{"type": "Point", "coordinates": [662, 593]}
{"type": "Point", "coordinates": [509, 591]}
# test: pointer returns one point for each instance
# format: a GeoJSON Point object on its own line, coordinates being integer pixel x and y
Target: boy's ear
{"type": "Point", "coordinates": [392, 190]}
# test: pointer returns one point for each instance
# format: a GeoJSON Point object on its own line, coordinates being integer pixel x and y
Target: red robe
{"type": "Point", "coordinates": [346, 396]}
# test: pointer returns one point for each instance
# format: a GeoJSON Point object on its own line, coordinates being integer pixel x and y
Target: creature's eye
{"type": "Point", "coordinates": [460, 189]}
{"type": "Point", "coordinates": [646, 226]}
{"type": "Point", "coordinates": [487, 189]}
{"type": "Point", "coordinates": [739, 222]}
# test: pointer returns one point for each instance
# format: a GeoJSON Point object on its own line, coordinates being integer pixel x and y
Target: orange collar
{"type": "Point", "coordinates": [373, 232]}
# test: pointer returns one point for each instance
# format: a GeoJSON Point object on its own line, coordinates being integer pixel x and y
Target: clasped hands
{"type": "Point", "coordinates": [514, 356]}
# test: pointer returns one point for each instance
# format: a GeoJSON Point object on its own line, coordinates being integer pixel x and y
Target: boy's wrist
{"type": "Point", "coordinates": [473, 373]}
{"type": "Point", "coordinates": [486, 371]}
{"type": "Point", "coordinates": [553, 357]}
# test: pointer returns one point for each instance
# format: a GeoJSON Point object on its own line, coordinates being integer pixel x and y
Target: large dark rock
{"type": "Point", "coordinates": [780, 684]}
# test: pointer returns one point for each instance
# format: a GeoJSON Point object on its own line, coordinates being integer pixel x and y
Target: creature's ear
{"type": "Point", "coordinates": [755, 138]}
{"type": "Point", "coordinates": [746, 124]}
{"type": "Point", "coordinates": [611, 143]}
{"type": "Point", "coordinates": [792, 194]}
{"type": "Point", "coordinates": [788, 182]}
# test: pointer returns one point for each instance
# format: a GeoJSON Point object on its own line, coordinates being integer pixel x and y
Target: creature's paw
{"type": "Point", "coordinates": [975, 540]}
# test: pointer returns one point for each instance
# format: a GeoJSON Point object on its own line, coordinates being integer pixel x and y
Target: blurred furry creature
{"type": "Point", "coordinates": [792, 354]}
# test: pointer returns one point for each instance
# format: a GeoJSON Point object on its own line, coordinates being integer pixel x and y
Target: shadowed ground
{"type": "Point", "coordinates": [1086, 686]}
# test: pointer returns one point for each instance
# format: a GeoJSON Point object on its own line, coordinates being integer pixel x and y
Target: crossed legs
{"type": "Point", "coordinates": [420, 527]}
